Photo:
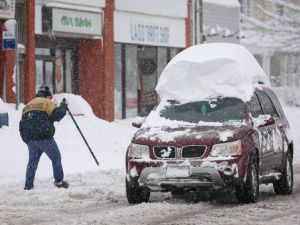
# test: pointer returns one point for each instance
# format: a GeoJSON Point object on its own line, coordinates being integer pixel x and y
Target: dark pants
{"type": "Point", "coordinates": [36, 149]}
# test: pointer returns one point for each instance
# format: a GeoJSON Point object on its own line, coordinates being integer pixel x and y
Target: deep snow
{"type": "Point", "coordinates": [211, 70]}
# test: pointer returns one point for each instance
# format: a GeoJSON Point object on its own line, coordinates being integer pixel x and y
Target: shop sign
{"type": "Point", "coordinates": [9, 41]}
{"type": "Point", "coordinates": [134, 28]}
{"type": "Point", "coordinates": [150, 33]}
{"type": "Point", "coordinates": [69, 21]}
{"type": "Point", "coordinates": [7, 9]}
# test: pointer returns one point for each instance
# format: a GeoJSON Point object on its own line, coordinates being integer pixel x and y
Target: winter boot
{"type": "Point", "coordinates": [27, 188]}
{"type": "Point", "coordinates": [61, 184]}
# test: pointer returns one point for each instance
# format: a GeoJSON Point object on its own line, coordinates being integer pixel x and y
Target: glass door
{"type": "Point", "coordinates": [44, 74]}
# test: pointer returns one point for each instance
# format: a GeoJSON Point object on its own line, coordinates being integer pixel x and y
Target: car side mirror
{"type": "Point", "coordinates": [263, 120]}
{"type": "Point", "coordinates": [138, 122]}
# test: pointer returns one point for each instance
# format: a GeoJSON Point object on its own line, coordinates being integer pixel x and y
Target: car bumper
{"type": "Point", "coordinates": [210, 175]}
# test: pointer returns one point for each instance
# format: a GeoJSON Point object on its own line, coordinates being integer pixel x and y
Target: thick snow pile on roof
{"type": "Point", "coordinates": [211, 70]}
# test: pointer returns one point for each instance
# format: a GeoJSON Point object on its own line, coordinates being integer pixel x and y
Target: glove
{"type": "Point", "coordinates": [64, 104]}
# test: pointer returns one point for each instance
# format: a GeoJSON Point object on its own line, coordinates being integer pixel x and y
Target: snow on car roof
{"type": "Point", "coordinates": [211, 70]}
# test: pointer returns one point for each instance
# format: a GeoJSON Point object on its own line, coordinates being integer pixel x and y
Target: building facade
{"type": "Point", "coordinates": [110, 52]}
{"type": "Point", "coordinates": [216, 21]}
{"type": "Point", "coordinates": [146, 39]}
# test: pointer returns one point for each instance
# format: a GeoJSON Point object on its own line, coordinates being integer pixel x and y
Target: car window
{"type": "Point", "coordinates": [223, 110]}
{"type": "Point", "coordinates": [256, 109]}
{"type": "Point", "coordinates": [267, 105]}
{"type": "Point", "coordinates": [276, 103]}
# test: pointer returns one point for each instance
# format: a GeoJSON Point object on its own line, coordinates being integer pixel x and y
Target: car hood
{"type": "Point", "coordinates": [190, 135]}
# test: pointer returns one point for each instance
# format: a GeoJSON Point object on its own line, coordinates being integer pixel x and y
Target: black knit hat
{"type": "Point", "coordinates": [44, 92]}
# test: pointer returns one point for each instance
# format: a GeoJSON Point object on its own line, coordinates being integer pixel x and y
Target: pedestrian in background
{"type": "Point", "coordinates": [37, 130]}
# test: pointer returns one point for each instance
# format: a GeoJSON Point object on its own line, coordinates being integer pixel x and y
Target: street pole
{"type": "Point", "coordinates": [17, 68]}
{"type": "Point", "coordinates": [200, 8]}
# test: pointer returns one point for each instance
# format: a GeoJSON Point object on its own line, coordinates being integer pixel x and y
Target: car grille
{"type": "Point", "coordinates": [193, 151]}
{"type": "Point", "coordinates": [165, 152]}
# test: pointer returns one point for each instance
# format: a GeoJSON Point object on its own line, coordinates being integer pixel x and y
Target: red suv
{"type": "Point", "coordinates": [238, 146]}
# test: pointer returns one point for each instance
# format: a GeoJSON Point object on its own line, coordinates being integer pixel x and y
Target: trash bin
{"type": "Point", "coordinates": [3, 119]}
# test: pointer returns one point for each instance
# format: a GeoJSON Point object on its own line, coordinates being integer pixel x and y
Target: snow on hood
{"type": "Point", "coordinates": [211, 70]}
{"type": "Point", "coordinates": [203, 134]}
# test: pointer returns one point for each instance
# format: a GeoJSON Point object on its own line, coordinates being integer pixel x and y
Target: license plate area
{"type": "Point", "coordinates": [177, 171]}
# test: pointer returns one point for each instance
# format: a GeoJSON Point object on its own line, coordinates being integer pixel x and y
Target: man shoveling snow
{"type": "Point", "coordinates": [37, 130]}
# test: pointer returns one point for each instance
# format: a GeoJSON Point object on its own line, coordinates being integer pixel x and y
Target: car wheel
{"type": "Point", "coordinates": [136, 194]}
{"type": "Point", "coordinates": [248, 192]}
{"type": "Point", "coordinates": [284, 186]}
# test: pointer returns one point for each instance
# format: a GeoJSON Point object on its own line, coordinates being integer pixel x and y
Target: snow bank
{"type": "Point", "coordinates": [211, 70]}
{"type": "Point", "coordinates": [108, 140]}
{"type": "Point", "coordinates": [76, 104]}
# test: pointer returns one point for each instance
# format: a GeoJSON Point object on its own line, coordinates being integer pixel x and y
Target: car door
{"type": "Point", "coordinates": [283, 128]}
{"type": "Point", "coordinates": [274, 139]}
{"type": "Point", "coordinates": [261, 136]}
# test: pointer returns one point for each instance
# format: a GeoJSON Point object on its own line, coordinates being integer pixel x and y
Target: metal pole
{"type": "Point", "coordinates": [200, 21]}
{"type": "Point", "coordinates": [17, 68]}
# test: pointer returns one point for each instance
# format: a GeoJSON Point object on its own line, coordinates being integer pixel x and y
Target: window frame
{"type": "Point", "coordinates": [273, 106]}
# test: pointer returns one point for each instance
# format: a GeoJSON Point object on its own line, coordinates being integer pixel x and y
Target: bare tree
{"type": "Point", "coordinates": [280, 25]}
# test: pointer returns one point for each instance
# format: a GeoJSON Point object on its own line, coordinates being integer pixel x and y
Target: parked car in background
{"type": "Point", "coordinates": [214, 144]}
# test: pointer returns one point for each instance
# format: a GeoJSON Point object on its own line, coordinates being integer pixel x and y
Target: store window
{"type": "Point", "coordinates": [56, 68]}
{"type": "Point", "coordinates": [118, 82]}
{"type": "Point", "coordinates": [131, 81]}
{"type": "Point", "coordinates": [147, 69]}
{"type": "Point", "coordinates": [137, 70]}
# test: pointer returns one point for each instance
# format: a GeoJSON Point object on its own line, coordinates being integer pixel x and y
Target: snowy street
{"type": "Point", "coordinates": [92, 201]}
{"type": "Point", "coordinates": [97, 194]}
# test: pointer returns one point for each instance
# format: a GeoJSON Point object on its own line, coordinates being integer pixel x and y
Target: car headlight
{"type": "Point", "coordinates": [138, 151]}
{"type": "Point", "coordinates": [227, 149]}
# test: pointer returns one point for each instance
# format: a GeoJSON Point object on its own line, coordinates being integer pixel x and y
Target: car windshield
{"type": "Point", "coordinates": [222, 110]}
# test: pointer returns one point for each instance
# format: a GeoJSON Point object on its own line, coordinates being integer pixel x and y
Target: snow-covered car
{"type": "Point", "coordinates": [218, 127]}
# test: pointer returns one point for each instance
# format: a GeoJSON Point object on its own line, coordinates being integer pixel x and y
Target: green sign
{"type": "Point", "coordinates": [78, 22]}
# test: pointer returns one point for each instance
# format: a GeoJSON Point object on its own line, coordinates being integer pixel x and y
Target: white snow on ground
{"type": "Point", "coordinates": [108, 141]}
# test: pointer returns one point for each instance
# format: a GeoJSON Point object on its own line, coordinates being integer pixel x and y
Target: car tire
{"type": "Point", "coordinates": [249, 191]}
{"type": "Point", "coordinates": [284, 186]}
{"type": "Point", "coordinates": [136, 194]}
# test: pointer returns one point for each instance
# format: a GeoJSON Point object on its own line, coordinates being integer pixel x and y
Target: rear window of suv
{"type": "Point", "coordinates": [223, 110]}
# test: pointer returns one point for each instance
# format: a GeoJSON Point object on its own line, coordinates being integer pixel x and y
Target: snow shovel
{"type": "Point", "coordinates": [87, 144]}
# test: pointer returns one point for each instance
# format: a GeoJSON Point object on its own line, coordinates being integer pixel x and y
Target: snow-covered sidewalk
{"type": "Point", "coordinates": [108, 141]}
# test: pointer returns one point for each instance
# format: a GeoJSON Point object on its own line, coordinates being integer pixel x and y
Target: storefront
{"type": "Point", "coordinates": [58, 37]}
{"type": "Point", "coordinates": [145, 41]}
